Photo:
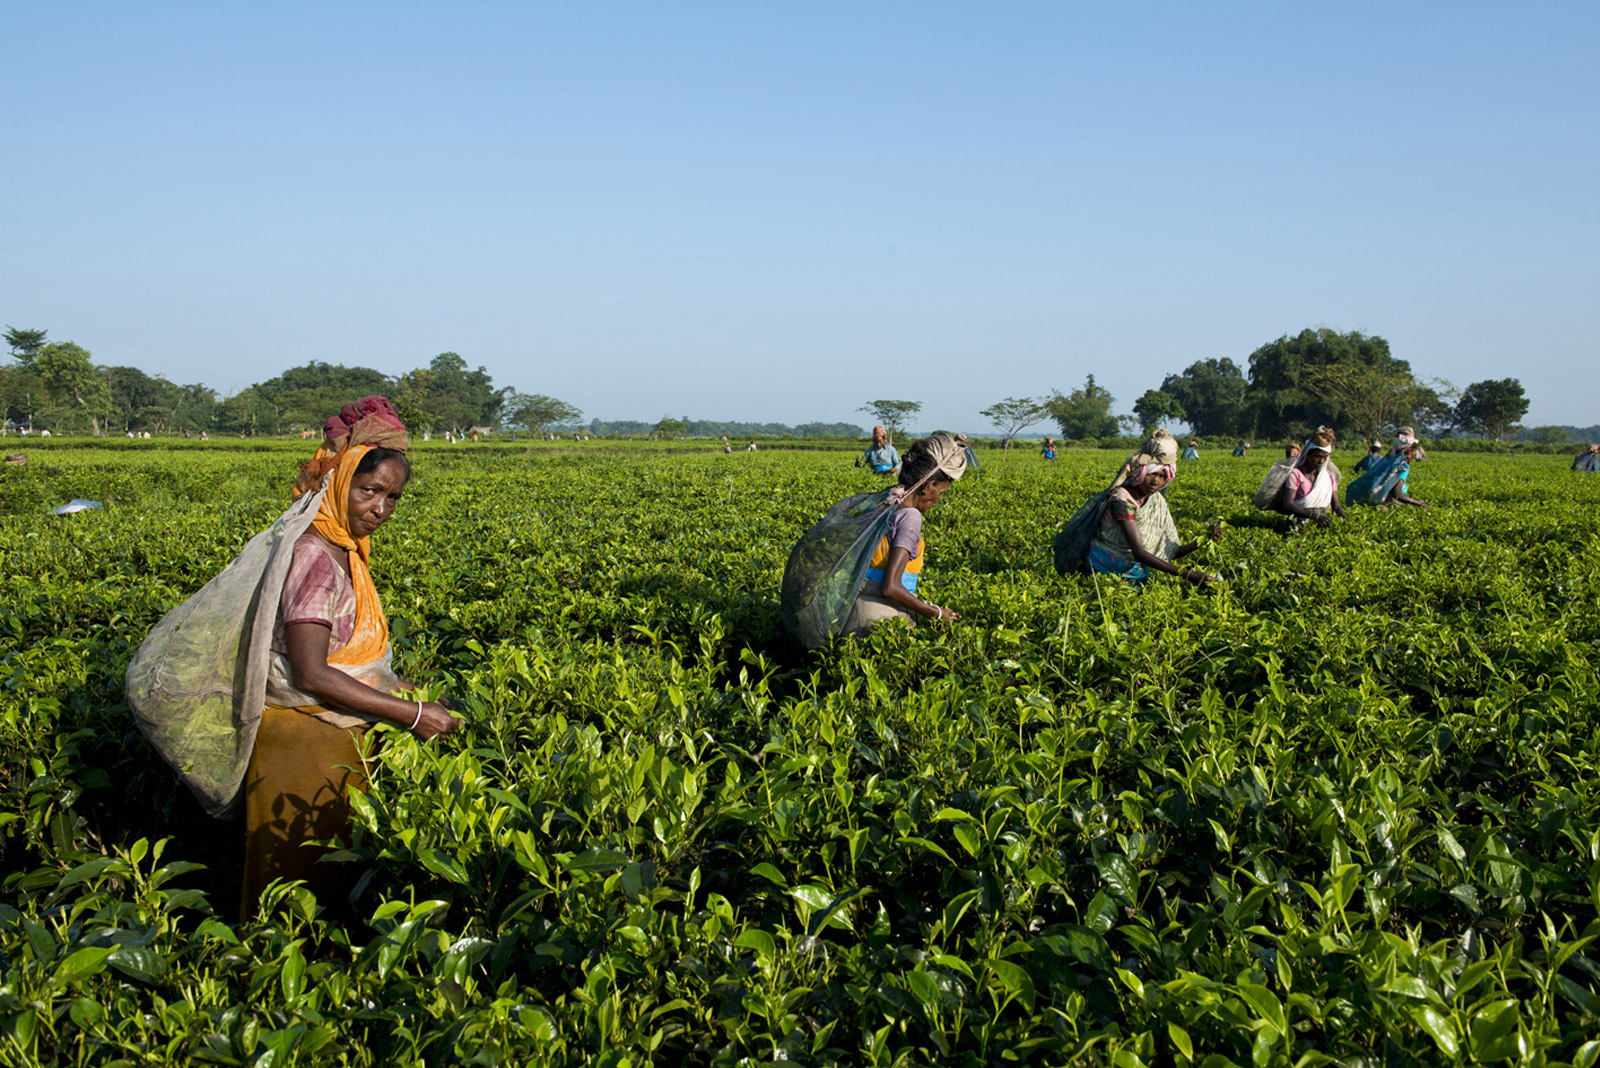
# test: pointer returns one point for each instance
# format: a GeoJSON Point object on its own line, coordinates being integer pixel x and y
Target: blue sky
{"type": "Point", "coordinates": [778, 212]}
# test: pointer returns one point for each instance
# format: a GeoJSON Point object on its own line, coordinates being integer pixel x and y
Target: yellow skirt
{"type": "Point", "coordinates": [295, 792]}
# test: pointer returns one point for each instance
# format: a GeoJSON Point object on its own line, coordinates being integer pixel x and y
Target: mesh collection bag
{"type": "Point", "coordinates": [828, 564]}
{"type": "Point", "coordinates": [1071, 545]}
{"type": "Point", "coordinates": [199, 680]}
{"type": "Point", "coordinates": [1272, 485]}
{"type": "Point", "coordinates": [1267, 493]}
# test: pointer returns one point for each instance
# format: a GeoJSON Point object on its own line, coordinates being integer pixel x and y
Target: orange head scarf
{"type": "Point", "coordinates": [371, 636]}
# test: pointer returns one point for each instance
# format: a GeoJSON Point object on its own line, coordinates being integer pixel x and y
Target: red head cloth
{"type": "Point", "coordinates": [369, 421]}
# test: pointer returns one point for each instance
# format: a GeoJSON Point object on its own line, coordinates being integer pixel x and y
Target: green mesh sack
{"type": "Point", "coordinates": [1070, 546]}
{"type": "Point", "coordinates": [828, 564]}
{"type": "Point", "coordinates": [199, 680]}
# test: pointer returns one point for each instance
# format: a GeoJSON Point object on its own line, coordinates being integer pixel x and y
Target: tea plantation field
{"type": "Point", "coordinates": [1342, 811]}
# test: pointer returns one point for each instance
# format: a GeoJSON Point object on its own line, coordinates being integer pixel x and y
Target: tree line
{"type": "Point", "coordinates": [57, 385]}
{"type": "Point", "coordinates": [1351, 382]}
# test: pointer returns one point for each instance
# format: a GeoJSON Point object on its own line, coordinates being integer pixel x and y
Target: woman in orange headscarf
{"type": "Point", "coordinates": [330, 676]}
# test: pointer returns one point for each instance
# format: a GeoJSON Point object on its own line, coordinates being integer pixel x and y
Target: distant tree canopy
{"type": "Point", "coordinates": [56, 385]}
{"type": "Point", "coordinates": [70, 379]}
{"type": "Point", "coordinates": [25, 344]}
{"type": "Point", "coordinates": [310, 393]}
{"type": "Point", "coordinates": [1157, 408]}
{"type": "Point", "coordinates": [1014, 415]}
{"type": "Point", "coordinates": [1085, 412]}
{"type": "Point", "coordinates": [1280, 399]}
{"type": "Point", "coordinates": [1348, 381]}
{"type": "Point", "coordinates": [536, 412]}
{"type": "Point", "coordinates": [1211, 394]}
{"type": "Point", "coordinates": [1491, 408]}
{"type": "Point", "coordinates": [893, 415]}
{"type": "Point", "coordinates": [445, 395]}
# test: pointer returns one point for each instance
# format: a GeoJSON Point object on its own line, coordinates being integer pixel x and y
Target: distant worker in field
{"type": "Point", "coordinates": [1127, 529]}
{"type": "Point", "coordinates": [1192, 452]}
{"type": "Point", "coordinates": [880, 455]}
{"type": "Point", "coordinates": [861, 563]}
{"type": "Point", "coordinates": [287, 737]}
{"type": "Point", "coordinates": [1310, 488]}
{"type": "Point", "coordinates": [1588, 461]}
{"type": "Point", "coordinates": [1048, 449]}
{"type": "Point", "coordinates": [1385, 482]}
{"type": "Point", "coordinates": [932, 465]}
{"type": "Point", "coordinates": [750, 447]}
{"type": "Point", "coordinates": [1242, 449]}
{"type": "Point", "coordinates": [1374, 454]}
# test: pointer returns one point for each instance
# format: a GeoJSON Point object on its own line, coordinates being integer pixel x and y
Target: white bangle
{"type": "Point", "coordinates": [418, 719]}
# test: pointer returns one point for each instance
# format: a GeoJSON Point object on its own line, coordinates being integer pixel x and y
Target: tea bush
{"type": "Point", "coordinates": [1344, 810]}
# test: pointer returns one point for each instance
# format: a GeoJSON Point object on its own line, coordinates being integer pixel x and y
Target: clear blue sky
{"type": "Point", "coordinates": [777, 212]}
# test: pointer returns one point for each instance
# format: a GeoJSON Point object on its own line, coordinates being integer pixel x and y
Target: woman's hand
{"type": "Point", "coordinates": [1214, 532]}
{"type": "Point", "coordinates": [944, 613]}
{"type": "Point", "coordinates": [1199, 578]}
{"type": "Point", "coordinates": [310, 672]}
{"type": "Point", "coordinates": [1324, 521]}
{"type": "Point", "coordinates": [435, 721]}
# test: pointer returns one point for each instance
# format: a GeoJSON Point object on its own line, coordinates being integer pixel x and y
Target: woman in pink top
{"type": "Point", "coordinates": [1312, 488]}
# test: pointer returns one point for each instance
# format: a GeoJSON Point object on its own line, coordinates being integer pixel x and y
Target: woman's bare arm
{"type": "Point", "coordinates": [894, 592]}
{"type": "Point", "coordinates": [312, 674]}
{"type": "Point", "coordinates": [1130, 531]}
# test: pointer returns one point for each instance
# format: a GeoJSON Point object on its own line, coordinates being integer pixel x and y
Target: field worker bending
{"type": "Point", "coordinates": [1374, 454]}
{"type": "Point", "coordinates": [880, 455]}
{"type": "Point", "coordinates": [1385, 482]}
{"type": "Point", "coordinates": [1192, 452]}
{"type": "Point", "coordinates": [1241, 449]}
{"type": "Point", "coordinates": [1587, 461]}
{"type": "Point", "coordinates": [932, 465]}
{"type": "Point", "coordinates": [1133, 531]}
{"type": "Point", "coordinates": [1048, 449]}
{"type": "Point", "coordinates": [288, 738]}
{"type": "Point", "coordinates": [1311, 491]}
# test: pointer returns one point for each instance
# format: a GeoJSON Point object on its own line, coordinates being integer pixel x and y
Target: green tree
{"type": "Point", "coordinates": [248, 413]}
{"type": "Point", "coordinates": [1373, 400]}
{"type": "Point", "coordinates": [670, 427]}
{"type": "Point", "coordinates": [25, 344]}
{"type": "Point", "coordinates": [20, 395]}
{"type": "Point", "coordinates": [892, 414]}
{"type": "Point", "coordinates": [1548, 435]}
{"type": "Point", "coordinates": [194, 408]}
{"type": "Point", "coordinates": [1085, 412]}
{"type": "Point", "coordinates": [1155, 408]}
{"type": "Point", "coordinates": [1279, 397]}
{"type": "Point", "coordinates": [1014, 415]}
{"type": "Point", "coordinates": [71, 378]}
{"type": "Point", "coordinates": [312, 392]}
{"type": "Point", "coordinates": [1211, 394]}
{"type": "Point", "coordinates": [535, 411]}
{"type": "Point", "coordinates": [140, 401]}
{"type": "Point", "coordinates": [1491, 407]}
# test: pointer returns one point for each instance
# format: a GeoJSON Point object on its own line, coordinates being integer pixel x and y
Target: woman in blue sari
{"type": "Point", "coordinates": [1384, 483]}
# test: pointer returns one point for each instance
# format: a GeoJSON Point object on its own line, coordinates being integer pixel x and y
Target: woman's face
{"type": "Point", "coordinates": [928, 496]}
{"type": "Point", "coordinates": [1313, 461]}
{"type": "Point", "coordinates": [373, 496]}
{"type": "Point", "coordinates": [1154, 482]}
